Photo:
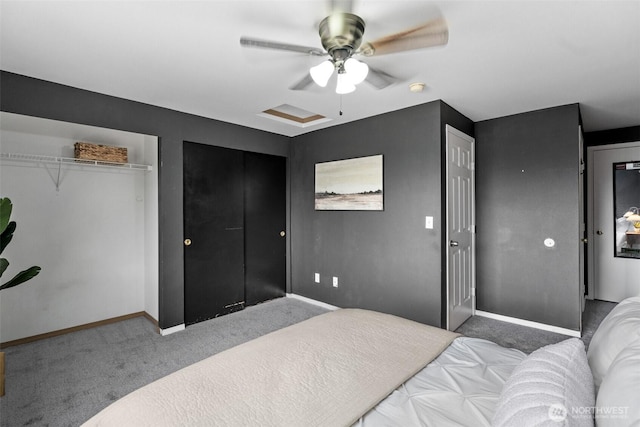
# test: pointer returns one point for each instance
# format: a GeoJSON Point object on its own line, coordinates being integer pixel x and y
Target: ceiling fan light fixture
{"type": "Point", "coordinates": [322, 72]}
{"type": "Point", "coordinates": [356, 71]}
{"type": "Point", "coordinates": [344, 84]}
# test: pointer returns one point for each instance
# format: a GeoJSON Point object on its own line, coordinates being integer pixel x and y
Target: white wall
{"type": "Point", "coordinates": [95, 237]}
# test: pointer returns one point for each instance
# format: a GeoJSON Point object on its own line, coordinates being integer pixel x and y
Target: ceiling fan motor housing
{"type": "Point", "coordinates": [341, 35]}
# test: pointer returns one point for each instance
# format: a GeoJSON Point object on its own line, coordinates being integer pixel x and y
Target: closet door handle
{"type": "Point", "coordinates": [282, 233]}
{"type": "Point", "coordinates": [187, 242]}
{"type": "Point", "coordinates": [599, 233]}
{"type": "Point", "coordinates": [453, 243]}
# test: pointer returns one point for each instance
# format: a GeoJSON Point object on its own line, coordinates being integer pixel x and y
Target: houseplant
{"type": "Point", "coordinates": [7, 228]}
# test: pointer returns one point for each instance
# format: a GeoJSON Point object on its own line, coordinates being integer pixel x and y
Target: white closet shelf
{"type": "Point", "coordinates": [35, 158]}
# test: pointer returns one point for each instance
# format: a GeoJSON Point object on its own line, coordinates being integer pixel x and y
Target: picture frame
{"type": "Point", "coordinates": [355, 184]}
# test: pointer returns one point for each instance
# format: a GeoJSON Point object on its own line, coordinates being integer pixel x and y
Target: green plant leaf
{"type": "Point", "coordinates": [5, 213]}
{"type": "Point", "coordinates": [21, 277]}
{"type": "Point", "coordinates": [7, 235]}
{"type": "Point", "coordinates": [3, 265]}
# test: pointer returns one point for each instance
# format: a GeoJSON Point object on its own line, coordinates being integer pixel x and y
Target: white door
{"type": "Point", "coordinates": [611, 278]}
{"type": "Point", "coordinates": [460, 232]}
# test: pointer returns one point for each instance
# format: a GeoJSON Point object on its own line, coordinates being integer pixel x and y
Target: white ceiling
{"type": "Point", "coordinates": [503, 57]}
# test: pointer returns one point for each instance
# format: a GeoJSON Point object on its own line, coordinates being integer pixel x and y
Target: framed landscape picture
{"type": "Point", "coordinates": [350, 185]}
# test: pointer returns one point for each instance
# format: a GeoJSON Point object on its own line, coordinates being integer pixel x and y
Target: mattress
{"type": "Point", "coordinates": [459, 388]}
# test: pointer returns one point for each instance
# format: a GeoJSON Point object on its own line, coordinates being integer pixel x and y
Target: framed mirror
{"type": "Point", "coordinates": [626, 203]}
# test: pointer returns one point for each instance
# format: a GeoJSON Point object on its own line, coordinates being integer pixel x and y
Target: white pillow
{"type": "Point", "coordinates": [618, 399]}
{"type": "Point", "coordinates": [552, 386]}
{"type": "Point", "coordinates": [620, 328]}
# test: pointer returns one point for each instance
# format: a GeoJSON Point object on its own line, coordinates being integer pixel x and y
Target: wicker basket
{"type": "Point", "coordinates": [105, 153]}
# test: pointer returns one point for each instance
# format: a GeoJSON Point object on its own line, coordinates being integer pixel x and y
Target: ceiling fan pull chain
{"type": "Point", "coordinates": [340, 104]}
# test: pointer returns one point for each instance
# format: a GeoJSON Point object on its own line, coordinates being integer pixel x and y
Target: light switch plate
{"type": "Point", "coordinates": [316, 277]}
{"type": "Point", "coordinates": [428, 222]}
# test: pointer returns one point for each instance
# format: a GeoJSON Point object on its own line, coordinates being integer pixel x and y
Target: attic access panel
{"type": "Point", "coordinates": [294, 116]}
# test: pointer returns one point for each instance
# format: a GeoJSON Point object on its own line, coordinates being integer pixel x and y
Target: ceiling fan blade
{"type": "Point", "coordinates": [429, 34]}
{"type": "Point", "coordinates": [304, 83]}
{"type": "Point", "coordinates": [379, 79]}
{"type": "Point", "coordinates": [268, 44]}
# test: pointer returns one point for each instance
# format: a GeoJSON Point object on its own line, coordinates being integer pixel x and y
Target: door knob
{"type": "Point", "coordinates": [453, 243]}
{"type": "Point", "coordinates": [599, 233]}
{"type": "Point", "coordinates": [187, 242]}
{"type": "Point", "coordinates": [282, 234]}
{"type": "Point", "coordinates": [584, 240]}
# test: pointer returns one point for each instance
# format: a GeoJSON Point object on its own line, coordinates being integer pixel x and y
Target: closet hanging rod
{"type": "Point", "coordinates": [73, 161]}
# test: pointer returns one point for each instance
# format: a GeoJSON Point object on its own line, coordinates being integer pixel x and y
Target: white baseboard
{"type": "Point", "coordinates": [313, 301]}
{"type": "Point", "coordinates": [172, 330]}
{"type": "Point", "coordinates": [529, 324]}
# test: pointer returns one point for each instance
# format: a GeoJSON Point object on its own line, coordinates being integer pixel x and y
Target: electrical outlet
{"type": "Point", "coordinates": [316, 277]}
{"type": "Point", "coordinates": [335, 282]}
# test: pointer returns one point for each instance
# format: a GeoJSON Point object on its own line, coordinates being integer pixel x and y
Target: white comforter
{"type": "Point", "coordinates": [459, 388]}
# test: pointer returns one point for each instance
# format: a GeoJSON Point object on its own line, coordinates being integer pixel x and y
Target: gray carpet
{"type": "Point", "coordinates": [529, 339]}
{"type": "Point", "coordinates": [65, 380]}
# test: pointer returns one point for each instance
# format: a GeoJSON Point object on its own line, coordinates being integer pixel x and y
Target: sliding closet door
{"type": "Point", "coordinates": [265, 237]}
{"type": "Point", "coordinates": [214, 231]}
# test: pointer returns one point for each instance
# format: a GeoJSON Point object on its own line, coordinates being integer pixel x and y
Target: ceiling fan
{"type": "Point", "coordinates": [341, 34]}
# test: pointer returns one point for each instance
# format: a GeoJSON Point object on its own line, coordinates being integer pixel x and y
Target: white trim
{"type": "Point", "coordinates": [172, 330]}
{"type": "Point", "coordinates": [313, 301]}
{"type": "Point", "coordinates": [529, 324]}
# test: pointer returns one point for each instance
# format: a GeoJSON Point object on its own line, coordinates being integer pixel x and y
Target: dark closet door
{"type": "Point", "coordinates": [265, 221]}
{"type": "Point", "coordinates": [214, 231]}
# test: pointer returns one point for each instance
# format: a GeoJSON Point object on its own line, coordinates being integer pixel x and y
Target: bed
{"type": "Point", "coordinates": [368, 369]}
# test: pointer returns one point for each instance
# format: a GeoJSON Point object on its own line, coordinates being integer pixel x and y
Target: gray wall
{"type": "Point", "coordinates": [527, 190]}
{"type": "Point", "coordinates": [387, 260]}
{"type": "Point", "coordinates": [32, 97]}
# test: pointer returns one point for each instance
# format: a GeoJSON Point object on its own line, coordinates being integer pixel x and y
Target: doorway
{"type": "Point", "coordinates": [611, 277]}
{"type": "Point", "coordinates": [234, 225]}
{"type": "Point", "coordinates": [460, 230]}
